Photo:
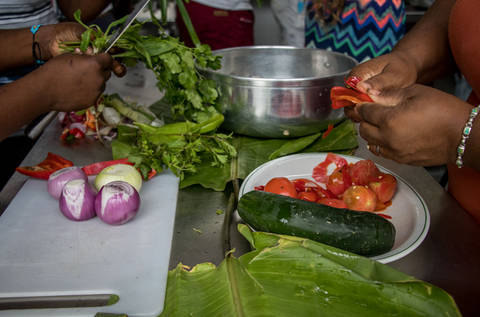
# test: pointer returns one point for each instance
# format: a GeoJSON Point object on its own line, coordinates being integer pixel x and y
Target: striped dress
{"type": "Point", "coordinates": [367, 28]}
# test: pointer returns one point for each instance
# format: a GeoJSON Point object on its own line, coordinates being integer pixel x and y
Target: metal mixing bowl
{"type": "Point", "coordinates": [278, 91]}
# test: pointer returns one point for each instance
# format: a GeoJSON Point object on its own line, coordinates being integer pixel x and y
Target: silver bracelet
{"type": "Point", "coordinates": [465, 135]}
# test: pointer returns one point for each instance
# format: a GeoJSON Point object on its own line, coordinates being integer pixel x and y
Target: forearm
{"type": "Point", "coordinates": [90, 9]}
{"type": "Point", "coordinates": [22, 101]}
{"type": "Point", "coordinates": [427, 46]}
{"type": "Point", "coordinates": [16, 49]}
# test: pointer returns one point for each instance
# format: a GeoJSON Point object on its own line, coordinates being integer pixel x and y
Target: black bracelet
{"type": "Point", "coordinates": [37, 61]}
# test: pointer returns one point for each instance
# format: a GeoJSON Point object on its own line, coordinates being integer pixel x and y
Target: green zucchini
{"type": "Point", "coordinates": [362, 233]}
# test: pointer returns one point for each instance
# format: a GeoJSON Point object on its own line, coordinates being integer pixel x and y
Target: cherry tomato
{"type": "Point", "coordinates": [335, 183]}
{"type": "Point", "coordinates": [325, 193]}
{"type": "Point", "coordinates": [337, 203]}
{"type": "Point", "coordinates": [281, 186]}
{"type": "Point", "coordinates": [360, 198]}
{"type": "Point", "coordinates": [383, 185]}
{"type": "Point", "coordinates": [309, 195]}
{"type": "Point", "coordinates": [361, 170]}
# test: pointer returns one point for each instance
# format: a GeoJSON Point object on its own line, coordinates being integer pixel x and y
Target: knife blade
{"type": "Point", "coordinates": [36, 127]}
{"type": "Point", "coordinates": [118, 33]}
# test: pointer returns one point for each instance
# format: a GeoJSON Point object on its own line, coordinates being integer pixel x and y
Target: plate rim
{"type": "Point", "coordinates": [383, 258]}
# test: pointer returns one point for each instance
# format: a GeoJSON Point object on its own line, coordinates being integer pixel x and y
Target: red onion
{"type": "Point", "coordinates": [57, 180]}
{"type": "Point", "coordinates": [77, 201]}
{"type": "Point", "coordinates": [117, 203]}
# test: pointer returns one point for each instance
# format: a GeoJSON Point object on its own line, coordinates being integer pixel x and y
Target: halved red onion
{"type": "Point", "coordinates": [117, 203]}
{"type": "Point", "coordinates": [57, 180]}
{"type": "Point", "coordinates": [77, 201]}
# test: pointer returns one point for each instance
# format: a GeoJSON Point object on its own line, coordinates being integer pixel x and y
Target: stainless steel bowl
{"type": "Point", "coordinates": [278, 91]}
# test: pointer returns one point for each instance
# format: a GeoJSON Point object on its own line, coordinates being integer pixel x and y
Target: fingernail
{"type": "Point", "coordinates": [373, 92]}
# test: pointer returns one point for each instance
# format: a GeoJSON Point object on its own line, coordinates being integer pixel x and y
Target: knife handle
{"type": "Point", "coordinates": [36, 127]}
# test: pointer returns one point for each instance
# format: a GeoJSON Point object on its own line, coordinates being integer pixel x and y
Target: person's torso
{"type": "Point", "coordinates": [17, 14]}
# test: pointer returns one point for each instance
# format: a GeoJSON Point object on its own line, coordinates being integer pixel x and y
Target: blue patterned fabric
{"type": "Point", "coordinates": [367, 29]}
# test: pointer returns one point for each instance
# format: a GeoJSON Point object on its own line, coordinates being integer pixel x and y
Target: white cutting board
{"type": "Point", "coordinates": [42, 253]}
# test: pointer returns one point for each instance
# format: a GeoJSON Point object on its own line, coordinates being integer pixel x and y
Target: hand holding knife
{"type": "Point", "coordinates": [36, 127]}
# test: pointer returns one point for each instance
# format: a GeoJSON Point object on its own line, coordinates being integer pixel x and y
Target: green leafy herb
{"type": "Point", "coordinates": [190, 95]}
{"type": "Point", "coordinates": [219, 211]}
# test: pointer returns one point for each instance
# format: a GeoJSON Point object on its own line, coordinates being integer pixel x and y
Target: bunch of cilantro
{"type": "Point", "coordinates": [191, 96]}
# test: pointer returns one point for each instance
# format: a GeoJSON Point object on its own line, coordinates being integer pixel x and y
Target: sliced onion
{"type": "Point", "coordinates": [111, 116]}
{"type": "Point", "coordinates": [57, 180]}
{"type": "Point", "coordinates": [119, 172]}
{"type": "Point", "coordinates": [117, 203]}
{"type": "Point", "coordinates": [77, 201]}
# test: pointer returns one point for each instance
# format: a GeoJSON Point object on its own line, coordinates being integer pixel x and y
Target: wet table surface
{"type": "Point", "coordinates": [449, 257]}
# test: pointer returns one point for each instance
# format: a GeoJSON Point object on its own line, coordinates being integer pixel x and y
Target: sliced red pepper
{"type": "Point", "coordinates": [320, 171]}
{"type": "Point", "coordinates": [348, 95]}
{"type": "Point", "coordinates": [96, 168]}
{"type": "Point", "coordinates": [261, 187]}
{"type": "Point", "coordinates": [43, 170]}
{"type": "Point", "coordinates": [326, 133]}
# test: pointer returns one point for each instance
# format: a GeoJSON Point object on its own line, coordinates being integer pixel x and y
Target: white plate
{"type": "Point", "coordinates": [409, 212]}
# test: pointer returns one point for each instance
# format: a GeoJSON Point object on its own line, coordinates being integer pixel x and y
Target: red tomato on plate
{"type": "Point", "coordinates": [360, 198]}
{"type": "Point", "coordinates": [309, 195]}
{"type": "Point", "coordinates": [361, 170]}
{"type": "Point", "coordinates": [383, 185]}
{"type": "Point", "coordinates": [281, 186]}
{"type": "Point", "coordinates": [337, 203]}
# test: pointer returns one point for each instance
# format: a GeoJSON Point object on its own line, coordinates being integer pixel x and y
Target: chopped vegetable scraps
{"type": "Point", "coordinates": [43, 170]}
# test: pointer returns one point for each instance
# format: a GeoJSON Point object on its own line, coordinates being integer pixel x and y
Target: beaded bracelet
{"type": "Point", "coordinates": [465, 135]}
{"type": "Point", "coordinates": [36, 61]}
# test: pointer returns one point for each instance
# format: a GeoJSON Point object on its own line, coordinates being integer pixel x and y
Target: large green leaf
{"type": "Point", "coordinates": [289, 276]}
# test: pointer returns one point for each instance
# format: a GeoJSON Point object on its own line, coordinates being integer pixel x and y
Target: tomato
{"type": "Point", "coordinates": [361, 170]}
{"type": "Point", "coordinates": [261, 187]}
{"type": "Point", "coordinates": [325, 193]}
{"type": "Point", "coordinates": [360, 198]}
{"type": "Point", "coordinates": [301, 184]}
{"type": "Point", "coordinates": [320, 171]}
{"type": "Point", "coordinates": [335, 183]}
{"type": "Point", "coordinates": [281, 186]}
{"type": "Point", "coordinates": [383, 185]}
{"type": "Point", "coordinates": [337, 203]}
{"type": "Point", "coordinates": [309, 195]}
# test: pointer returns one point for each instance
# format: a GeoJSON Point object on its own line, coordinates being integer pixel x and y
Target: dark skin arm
{"type": "Point", "coordinates": [66, 82]}
{"type": "Point", "coordinates": [415, 124]}
{"type": "Point", "coordinates": [421, 56]}
{"type": "Point", "coordinates": [90, 9]}
{"type": "Point", "coordinates": [17, 45]}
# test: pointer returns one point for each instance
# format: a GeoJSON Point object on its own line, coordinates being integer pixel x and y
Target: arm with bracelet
{"type": "Point", "coordinates": [64, 82]}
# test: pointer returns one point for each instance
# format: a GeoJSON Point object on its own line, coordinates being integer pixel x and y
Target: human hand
{"type": "Point", "coordinates": [75, 82]}
{"type": "Point", "coordinates": [387, 72]}
{"type": "Point", "coordinates": [59, 33]}
{"type": "Point", "coordinates": [424, 128]}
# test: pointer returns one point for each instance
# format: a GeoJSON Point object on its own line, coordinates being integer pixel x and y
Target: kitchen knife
{"type": "Point", "coordinates": [39, 124]}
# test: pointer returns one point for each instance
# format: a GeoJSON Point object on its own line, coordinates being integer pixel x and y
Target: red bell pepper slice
{"type": "Point", "coordinates": [43, 170]}
{"type": "Point", "coordinates": [320, 171]}
{"type": "Point", "coordinates": [348, 95]}
{"type": "Point", "coordinates": [326, 133]}
{"type": "Point", "coordinates": [96, 168]}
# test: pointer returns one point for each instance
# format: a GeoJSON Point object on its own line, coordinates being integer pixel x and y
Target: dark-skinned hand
{"type": "Point", "coordinates": [422, 126]}
{"type": "Point", "coordinates": [75, 81]}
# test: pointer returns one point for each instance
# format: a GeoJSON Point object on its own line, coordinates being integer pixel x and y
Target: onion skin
{"type": "Point", "coordinates": [117, 203]}
{"type": "Point", "coordinates": [58, 179]}
{"type": "Point", "coordinates": [77, 201]}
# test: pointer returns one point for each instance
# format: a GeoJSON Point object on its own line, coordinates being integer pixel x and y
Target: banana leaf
{"type": "Point", "coordinates": [290, 276]}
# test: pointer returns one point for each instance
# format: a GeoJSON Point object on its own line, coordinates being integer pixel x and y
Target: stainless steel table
{"type": "Point", "coordinates": [448, 258]}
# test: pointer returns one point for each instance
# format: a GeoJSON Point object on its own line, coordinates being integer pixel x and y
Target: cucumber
{"type": "Point", "coordinates": [362, 233]}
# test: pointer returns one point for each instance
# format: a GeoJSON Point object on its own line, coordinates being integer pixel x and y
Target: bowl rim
{"type": "Point", "coordinates": [275, 82]}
